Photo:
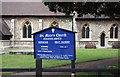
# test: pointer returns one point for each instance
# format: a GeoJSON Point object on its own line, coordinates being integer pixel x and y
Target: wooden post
{"type": "Point", "coordinates": [38, 67]}
{"type": "Point", "coordinates": [99, 74]}
{"type": "Point", "coordinates": [73, 67]}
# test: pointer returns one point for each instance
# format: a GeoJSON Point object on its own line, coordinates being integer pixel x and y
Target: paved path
{"type": "Point", "coordinates": [2, 53]}
{"type": "Point", "coordinates": [85, 65]}
{"type": "Point", "coordinates": [21, 52]}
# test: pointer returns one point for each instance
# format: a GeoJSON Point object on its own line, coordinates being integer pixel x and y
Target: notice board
{"type": "Point", "coordinates": [54, 43]}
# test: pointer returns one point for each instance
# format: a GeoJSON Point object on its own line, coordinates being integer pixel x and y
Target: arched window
{"type": "Point", "coordinates": [85, 31]}
{"type": "Point", "coordinates": [27, 30]}
{"type": "Point", "coordinates": [114, 31]}
{"type": "Point", "coordinates": [111, 32]}
{"type": "Point", "coordinates": [24, 31]}
{"type": "Point", "coordinates": [54, 24]}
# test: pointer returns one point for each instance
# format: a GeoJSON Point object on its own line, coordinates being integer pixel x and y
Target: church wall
{"type": "Point", "coordinates": [96, 28]}
{"type": "Point", "coordinates": [65, 23]}
{"type": "Point", "coordinates": [37, 23]}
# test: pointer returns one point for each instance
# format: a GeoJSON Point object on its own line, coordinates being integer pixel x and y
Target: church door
{"type": "Point", "coordinates": [102, 39]}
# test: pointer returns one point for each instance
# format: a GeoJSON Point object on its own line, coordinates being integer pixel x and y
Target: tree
{"type": "Point", "coordinates": [111, 9]}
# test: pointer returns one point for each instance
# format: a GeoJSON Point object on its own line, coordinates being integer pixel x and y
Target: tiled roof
{"type": "Point", "coordinates": [26, 8]}
{"type": "Point", "coordinates": [35, 9]}
{"type": "Point", "coordinates": [4, 29]}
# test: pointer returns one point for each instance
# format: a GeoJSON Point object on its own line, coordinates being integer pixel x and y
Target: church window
{"type": "Point", "coordinates": [54, 24]}
{"type": "Point", "coordinates": [24, 31]}
{"type": "Point", "coordinates": [85, 31]}
{"type": "Point", "coordinates": [27, 30]}
{"type": "Point", "coordinates": [114, 31]}
{"type": "Point", "coordinates": [111, 32]}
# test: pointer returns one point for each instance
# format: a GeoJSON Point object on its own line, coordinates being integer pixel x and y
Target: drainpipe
{"type": "Point", "coordinates": [75, 27]}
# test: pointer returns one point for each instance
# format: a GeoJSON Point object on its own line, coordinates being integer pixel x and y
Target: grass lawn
{"type": "Point", "coordinates": [82, 55]}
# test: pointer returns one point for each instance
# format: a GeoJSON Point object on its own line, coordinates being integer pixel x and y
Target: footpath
{"type": "Point", "coordinates": [85, 65]}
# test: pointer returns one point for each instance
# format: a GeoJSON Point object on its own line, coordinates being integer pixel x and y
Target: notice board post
{"type": "Point", "coordinates": [55, 44]}
{"type": "Point", "coordinates": [73, 61]}
{"type": "Point", "coordinates": [38, 67]}
{"type": "Point", "coordinates": [73, 67]}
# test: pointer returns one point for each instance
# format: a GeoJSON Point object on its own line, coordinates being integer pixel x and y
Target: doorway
{"type": "Point", "coordinates": [102, 40]}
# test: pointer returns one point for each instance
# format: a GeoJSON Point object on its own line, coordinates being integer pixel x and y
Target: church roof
{"type": "Point", "coordinates": [36, 9]}
{"type": "Point", "coordinates": [27, 8]}
{"type": "Point", "coordinates": [4, 29]}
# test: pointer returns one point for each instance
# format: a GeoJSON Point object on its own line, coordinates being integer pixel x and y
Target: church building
{"type": "Point", "coordinates": [21, 19]}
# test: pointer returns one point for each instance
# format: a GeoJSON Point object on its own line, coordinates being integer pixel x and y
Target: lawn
{"type": "Point", "coordinates": [82, 55]}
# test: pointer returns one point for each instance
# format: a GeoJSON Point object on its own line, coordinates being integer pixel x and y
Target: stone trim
{"type": "Point", "coordinates": [113, 40]}
{"type": "Point", "coordinates": [85, 39]}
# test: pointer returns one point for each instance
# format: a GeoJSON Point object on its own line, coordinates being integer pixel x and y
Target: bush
{"type": "Point", "coordinates": [90, 45]}
{"type": "Point", "coordinates": [114, 72]}
{"type": "Point", "coordinates": [116, 44]}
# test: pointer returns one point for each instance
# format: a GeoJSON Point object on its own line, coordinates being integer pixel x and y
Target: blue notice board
{"type": "Point", "coordinates": [54, 43]}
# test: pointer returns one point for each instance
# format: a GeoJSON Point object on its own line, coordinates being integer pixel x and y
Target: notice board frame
{"type": "Point", "coordinates": [39, 61]}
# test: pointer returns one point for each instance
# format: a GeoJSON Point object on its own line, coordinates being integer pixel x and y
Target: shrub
{"type": "Point", "coordinates": [90, 45]}
{"type": "Point", "coordinates": [114, 72]}
{"type": "Point", "coordinates": [116, 44]}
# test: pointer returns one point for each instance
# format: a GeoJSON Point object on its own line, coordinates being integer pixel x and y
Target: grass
{"type": "Point", "coordinates": [95, 54]}
{"type": "Point", "coordinates": [82, 55]}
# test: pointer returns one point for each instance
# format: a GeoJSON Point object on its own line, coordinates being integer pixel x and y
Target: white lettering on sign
{"type": "Point", "coordinates": [52, 38]}
{"type": "Point", "coordinates": [65, 42]}
{"type": "Point", "coordinates": [44, 47]}
{"type": "Point", "coordinates": [57, 38]}
{"type": "Point", "coordinates": [61, 35]}
{"type": "Point", "coordinates": [49, 35]}
{"type": "Point", "coordinates": [47, 38]}
{"type": "Point", "coordinates": [63, 47]}
{"type": "Point", "coordinates": [49, 56]}
{"type": "Point", "coordinates": [44, 51]}
{"type": "Point", "coordinates": [41, 35]}
{"type": "Point", "coordinates": [54, 35]}
{"type": "Point", "coordinates": [57, 42]}
{"type": "Point", "coordinates": [42, 42]}
{"type": "Point", "coordinates": [62, 42]}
